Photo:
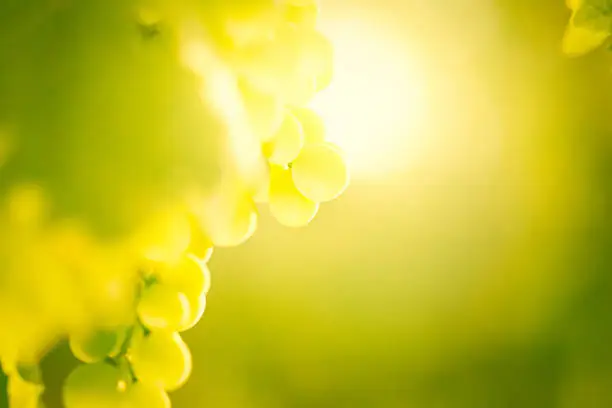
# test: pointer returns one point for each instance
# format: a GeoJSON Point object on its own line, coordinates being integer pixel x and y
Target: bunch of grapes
{"type": "Point", "coordinates": [136, 136]}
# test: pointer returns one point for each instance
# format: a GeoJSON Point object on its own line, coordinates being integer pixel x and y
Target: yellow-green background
{"type": "Point", "coordinates": [476, 275]}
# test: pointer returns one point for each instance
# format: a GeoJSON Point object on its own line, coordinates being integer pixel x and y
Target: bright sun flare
{"type": "Point", "coordinates": [376, 103]}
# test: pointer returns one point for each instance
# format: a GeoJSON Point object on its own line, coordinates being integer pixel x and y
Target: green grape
{"type": "Point", "coordinates": [229, 217]}
{"type": "Point", "coordinates": [140, 395]}
{"type": "Point", "coordinates": [264, 111]}
{"type": "Point", "coordinates": [163, 359]}
{"type": "Point", "coordinates": [163, 307]}
{"type": "Point", "coordinates": [320, 172]}
{"type": "Point", "coordinates": [301, 12]}
{"type": "Point", "coordinates": [164, 237]}
{"type": "Point", "coordinates": [312, 124]}
{"type": "Point", "coordinates": [319, 60]}
{"type": "Point", "coordinates": [286, 66]}
{"type": "Point", "coordinates": [97, 385]}
{"type": "Point", "coordinates": [95, 345]}
{"type": "Point", "coordinates": [287, 142]}
{"type": "Point", "coordinates": [287, 205]}
{"type": "Point", "coordinates": [189, 276]}
{"type": "Point", "coordinates": [200, 244]}
{"type": "Point", "coordinates": [197, 308]}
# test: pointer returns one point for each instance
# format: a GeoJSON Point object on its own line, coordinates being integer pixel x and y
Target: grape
{"type": "Point", "coordinates": [189, 276]}
{"type": "Point", "coordinates": [318, 58]}
{"type": "Point", "coordinates": [141, 395]}
{"type": "Point", "coordinates": [97, 385]}
{"type": "Point", "coordinates": [230, 218]}
{"type": "Point", "coordinates": [312, 124]}
{"type": "Point", "coordinates": [320, 172]}
{"type": "Point", "coordinates": [301, 12]}
{"type": "Point", "coordinates": [286, 66]}
{"type": "Point", "coordinates": [200, 244]}
{"type": "Point", "coordinates": [166, 238]}
{"type": "Point", "coordinates": [287, 142]}
{"type": "Point", "coordinates": [94, 345]}
{"type": "Point", "coordinates": [197, 307]}
{"type": "Point", "coordinates": [264, 110]}
{"type": "Point", "coordinates": [161, 359]}
{"type": "Point", "coordinates": [287, 205]}
{"type": "Point", "coordinates": [163, 307]}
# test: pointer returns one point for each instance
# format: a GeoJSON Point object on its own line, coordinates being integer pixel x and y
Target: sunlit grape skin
{"type": "Point", "coordinates": [163, 307]}
{"type": "Point", "coordinates": [301, 12]}
{"type": "Point", "coordinates": [200, 244]}
{"type": "Point", "coordinates": [287, 205]}
{"type": "Point", "coordinates": [197, 308]}
{"type": "Point", "coordinates": [189, 276]}
{"type": "Point", "coordinates": [162, 359]}
{"type": "Point", "coordinates": [287, 142]}
{"type": "Point", "coordinates": [95, 385]}
{"type": "Point", "coordinates": [94, 345]}
{"type": "Point", "coordinates": [320, 172]}
{"type": "Point", "coordinates": [312, 124]}
{"type": "Point", "coordinates": [142, 395]}
{"type": "Point", "coordinates": [230, 217]}
{"type": "Point", "coordinates": [264, 110]}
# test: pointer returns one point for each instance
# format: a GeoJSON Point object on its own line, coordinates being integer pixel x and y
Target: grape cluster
{"type": "Point", "coordinates": [136, 136]}
{"type": "Point", "coordinates": [135, 366]}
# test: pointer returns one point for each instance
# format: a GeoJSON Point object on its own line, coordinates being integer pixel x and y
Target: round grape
{"type": "Point", "coordinates": [302, 12]}
{"type": "Point", "coordinates": [189, 276]}
{"type": "Point", "coordinates": [166, 238]}
{"type": "Point", "coordinates": [287, 205]}
{"type": "Point", "coordinates": [94, 345]}
{"type": "Point", "coordinates": [312, 124]}
{"type": "Point", "coordinates": [97, 385]}
{"type": "Point", "coordinates": [287, 143]}
{"type": "Point", "coordinates": [230, 219]}
{"type": "Point", "coordinates": [163, 307]}
{"type": "Point", "coordinates": [320, 172]}
{"type": "Point", "coordinates": [163, 359]}
{"type": "Point", "coordinates": [264, 110]}
{"type": "Point", "coordinates": [140, 395]}
{"type": "Point", "coordinates": [200, 244]}
{"type": "Point", "coordinates": [197, 307]}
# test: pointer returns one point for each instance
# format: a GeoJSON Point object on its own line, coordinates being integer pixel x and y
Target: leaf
{"type": "Point", "coordinates": [588, 33]}
{"type": "Point", "coordinates": [592, 17]}
{"type": "Point", "coordinates": [580, 41]}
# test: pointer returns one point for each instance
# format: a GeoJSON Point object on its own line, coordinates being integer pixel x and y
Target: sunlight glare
{"type": "Point", "coordinates": [376, 106]}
